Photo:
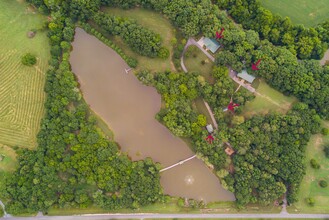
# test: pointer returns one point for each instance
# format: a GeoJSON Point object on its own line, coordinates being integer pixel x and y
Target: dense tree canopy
{"type": "Point", "coordinates": [305, 42]}
{"type": "Point", "coordinates": [75, 165]}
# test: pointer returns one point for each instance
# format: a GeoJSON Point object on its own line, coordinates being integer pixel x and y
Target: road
{"type": "Point", "coordinates": [169, 216]}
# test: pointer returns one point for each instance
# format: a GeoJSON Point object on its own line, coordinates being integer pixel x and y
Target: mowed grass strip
{"type": "Point", "coordinates": [267, 100]}
{"type": "Point", "coordinates": [306, 12]}
{"type": "Point", "coordinates": [310, 184]}
{"type": "Point", "coordinates": [155, 22]}
{"type": "Point", "coordinates": [21, 87]}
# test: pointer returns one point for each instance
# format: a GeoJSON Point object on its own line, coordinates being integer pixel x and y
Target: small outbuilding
{"type": "Point", "coordinates": [209, 128]}
{"type": "Point", "coordinates": [246, 76]}
{"type": "Point", "coordinates": [210, 44]}
{"type": "Point", "coordinates": [229, 151]}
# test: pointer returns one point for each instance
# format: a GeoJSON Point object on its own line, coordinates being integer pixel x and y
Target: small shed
{"type": "Point", "coordinates": [209, 128]}
{"type": "Point", "coordinates": [246, 76]}
{"type": "Point", "coordinates": [229, 151]}
{"type": "Point", "coordinates": [211, 44]}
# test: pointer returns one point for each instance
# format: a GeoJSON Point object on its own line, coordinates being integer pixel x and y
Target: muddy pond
{"type": "Point", "coordinates": [129, 108]}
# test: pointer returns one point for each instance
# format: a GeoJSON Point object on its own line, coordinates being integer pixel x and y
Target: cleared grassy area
{"type": "Point", "coordinates": [193, 59]}
{"type": "Point", "coordinates": [267, 100]}
{"type": "Point", "coordinates": [202, 109]}
{"type": "Point", "coordinates": [8, 162]}
{"type": "Point", "coordinates": [168, 207]}
{"type": "Point", "coordinates": [310, 185]}
{"type": "Point", "coordinates": [21, 87]}
{"type": "Point", "coordinates": [155, 22]}
{"type": "Point", "coordinates": [307, 12]}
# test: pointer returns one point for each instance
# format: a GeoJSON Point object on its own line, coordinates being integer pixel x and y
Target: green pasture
{"type": "Point", "coordinates": [155, 22]}
{"type": "Point", "coordinates": [267, 100]}
{"type": "Point", "coordinates": [8, 155]}
{"type": "Point", "coordinates": [21, 87]}
{"type": "Point", "coordinates": [310, 185]}
{"type": "Point", "coordinates": [306, 12]}
{"type": "Point", "coordinates": [192, 60]}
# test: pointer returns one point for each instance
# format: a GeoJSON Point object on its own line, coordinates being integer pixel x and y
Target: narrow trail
{"type": "Point", "coordinates": [211, 114]}
{"type": "Point", "coordinates": [190, 42]}
{"type": "Point", "coordinates": [4, 210]}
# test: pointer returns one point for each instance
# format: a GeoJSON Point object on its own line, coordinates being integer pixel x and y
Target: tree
{"type": "Point", "coordinates": [323, 183]}
{"type": "Point", "coordinates": [326, 150]}
{"type": "Point", "coordinates": [314, 164]}
{"type": "Point", "coordinates": [29, 59]}
{"type": "Point", "coordinates": [310, 201]}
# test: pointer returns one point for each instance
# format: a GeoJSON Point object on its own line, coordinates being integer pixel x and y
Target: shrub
{"type": "Point", "coordinates": [310, 201]}
{"type": "Point", "coordinates": [326, 151]}
{"type": "Point", "coordinates": [163, 53]}
{"type": "Point", "coordinates": [314, 164]}
{"type": "Point", "coordinates": [323, 183]}
{"type": "Point", "coordinates": [203, 62]}
{"type": "Point", "coordinates": [181, 202]}
{"type": "Point", "coordinates": [29, 59]}
{"type": "Point", "coordinates": [325, 131]}
{"type": "Point", "coordinates": [132, 62]}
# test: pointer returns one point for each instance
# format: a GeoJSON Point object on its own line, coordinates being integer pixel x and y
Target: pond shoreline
{"type": "Point", "coordinates": [129, 109]}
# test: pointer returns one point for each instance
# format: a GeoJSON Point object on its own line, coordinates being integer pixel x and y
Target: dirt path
{"type": "Point", "coordinates": [190, 42]}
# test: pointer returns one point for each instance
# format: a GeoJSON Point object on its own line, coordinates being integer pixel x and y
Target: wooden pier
{"type": "Point", "coordinates": [179, 163]}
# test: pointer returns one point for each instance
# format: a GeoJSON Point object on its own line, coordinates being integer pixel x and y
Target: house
{"type": "Point", "coordinates": [246, 76]}
{"type": "Point", "coordinates": [209, 128]}
{"type": "Point", "coordinates": [210, 44]}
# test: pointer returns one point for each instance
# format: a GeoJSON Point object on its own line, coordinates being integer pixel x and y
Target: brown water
{"type": "Point", "coordinates": [129, 108]}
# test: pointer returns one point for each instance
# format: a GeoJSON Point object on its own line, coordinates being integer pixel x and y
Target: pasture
{"type": "Point", "coordinates": [306, 12]}
{"type": "Point", "coordinates": [196, 61]}
{"type": "Point", "coordinates": [21, 87]}
{"type": "Point", "coordinates": [155, 22]}
{"type": "Point", "coordinates": [310, 184]}
{"type": "Point", "coordinates": [267, 100]}
{"type": "Point", "coordinates": [8, 158]}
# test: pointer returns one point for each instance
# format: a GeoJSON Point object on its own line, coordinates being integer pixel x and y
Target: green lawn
{"type": "Point", "coordinates": [202, 109]}
{"type": "Point", "coordinates": [21, 88]}
{"type": "Point", "coordinates": [8, 162]}
{"type": "Point", "coordinates": [155, 22]}
{"type": "Point", "coordinates": [307, 12]}
{"type": "Point", "coordinates": [267, 100]}
{"type": "Point", "coordinates": [192, 60]}
{"type": "Point", "coordinates": [310, 187]}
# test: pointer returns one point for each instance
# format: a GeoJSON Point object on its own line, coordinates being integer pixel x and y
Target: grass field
{"type": "Point", "coordinates": [310, 186]}
{"type": "Point", "coordinates": [192, 60]}
{"type": "Point", "coordinates": [199, 105]}
{"type": "Point", "coordinates": [267, 100]}
{"type": "Point", "coordinates": [307, 12]}
{"type": "Point", "coordinates": [21, 88]}
{"type": "Point", "coordinates": [9, 161]}
{"type": "Point", "coordinates": [155, 22]}
{"type": "Point", "coordinates": [172, 207]}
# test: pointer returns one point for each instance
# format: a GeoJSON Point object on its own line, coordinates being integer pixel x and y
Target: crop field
{"type": "Point", "coordinates": [21, 87]}
{"type": "Point", "coordinates": [267, 100]}
{"type": "Point", "coordinates": [310, 185]}
{"type": "Point", "coordinates": [155, 22]}
{"type": "Point", "coordinates": [307, 12]}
